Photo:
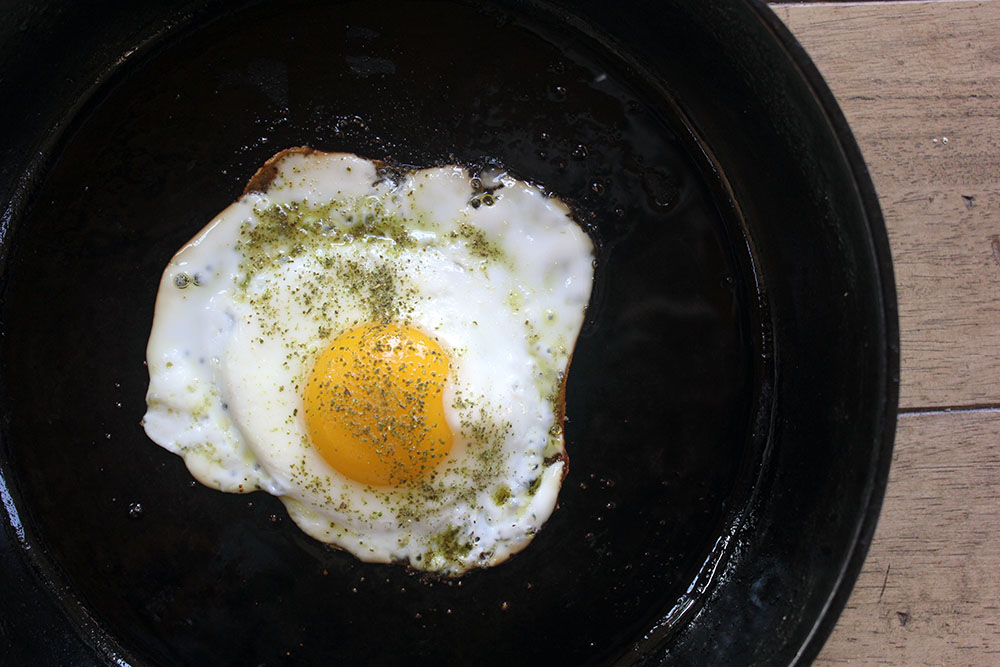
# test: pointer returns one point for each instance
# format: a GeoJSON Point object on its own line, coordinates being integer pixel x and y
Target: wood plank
{"type": "Point", "coordinates": [929, 593]}
{"type": "Point", "coordinates": [919, 83]}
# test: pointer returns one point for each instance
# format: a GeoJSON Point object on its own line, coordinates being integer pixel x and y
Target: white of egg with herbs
{"type": "Point", "coordinates": [384, 352]}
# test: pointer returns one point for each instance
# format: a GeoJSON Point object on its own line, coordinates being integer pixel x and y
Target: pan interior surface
{"type": "Point", "coordinates": [692, 467]}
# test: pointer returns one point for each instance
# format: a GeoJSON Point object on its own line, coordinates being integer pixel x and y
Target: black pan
{"type": "Point", "coordinates": [732, 397]}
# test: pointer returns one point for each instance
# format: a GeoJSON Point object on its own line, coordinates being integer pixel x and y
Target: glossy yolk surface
{"type": "Point", "coordinates": [373, 404]}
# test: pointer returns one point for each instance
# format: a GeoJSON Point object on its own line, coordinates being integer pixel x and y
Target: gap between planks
{"type": "Point", "coordinates": [950, 410]}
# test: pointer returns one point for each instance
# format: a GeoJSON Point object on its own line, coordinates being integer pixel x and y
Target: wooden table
{"type": "Point", "coordinates": [919, 83]}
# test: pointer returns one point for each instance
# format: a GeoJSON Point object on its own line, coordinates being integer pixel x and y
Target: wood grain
{"type": "Point", "coordinates": [929, 593]}
{"type": "Point", "coordinates": [919, 83]}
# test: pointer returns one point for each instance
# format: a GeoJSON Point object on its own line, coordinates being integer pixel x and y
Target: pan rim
{"type": "Point", "coordinates": [888, 410]}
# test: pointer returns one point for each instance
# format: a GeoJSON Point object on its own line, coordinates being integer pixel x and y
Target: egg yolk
{"type": "Point", "coordinates": [374, 407]}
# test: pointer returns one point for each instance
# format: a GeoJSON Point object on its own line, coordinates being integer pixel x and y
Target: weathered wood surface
{"type": "Point", "coordinates": [929, 592]}
{"type": "Point", "coordinates": [920, 84]}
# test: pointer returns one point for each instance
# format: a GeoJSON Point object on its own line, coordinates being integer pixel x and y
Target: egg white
{"type": "Point", "coordinates": [324, 241]}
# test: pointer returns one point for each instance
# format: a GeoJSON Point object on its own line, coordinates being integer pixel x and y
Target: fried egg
{"type": "Point", "coordinates": [383, 350]}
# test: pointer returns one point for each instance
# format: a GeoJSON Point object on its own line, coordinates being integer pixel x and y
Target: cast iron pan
{"type": "Point", "coordinates": [731, 400]}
